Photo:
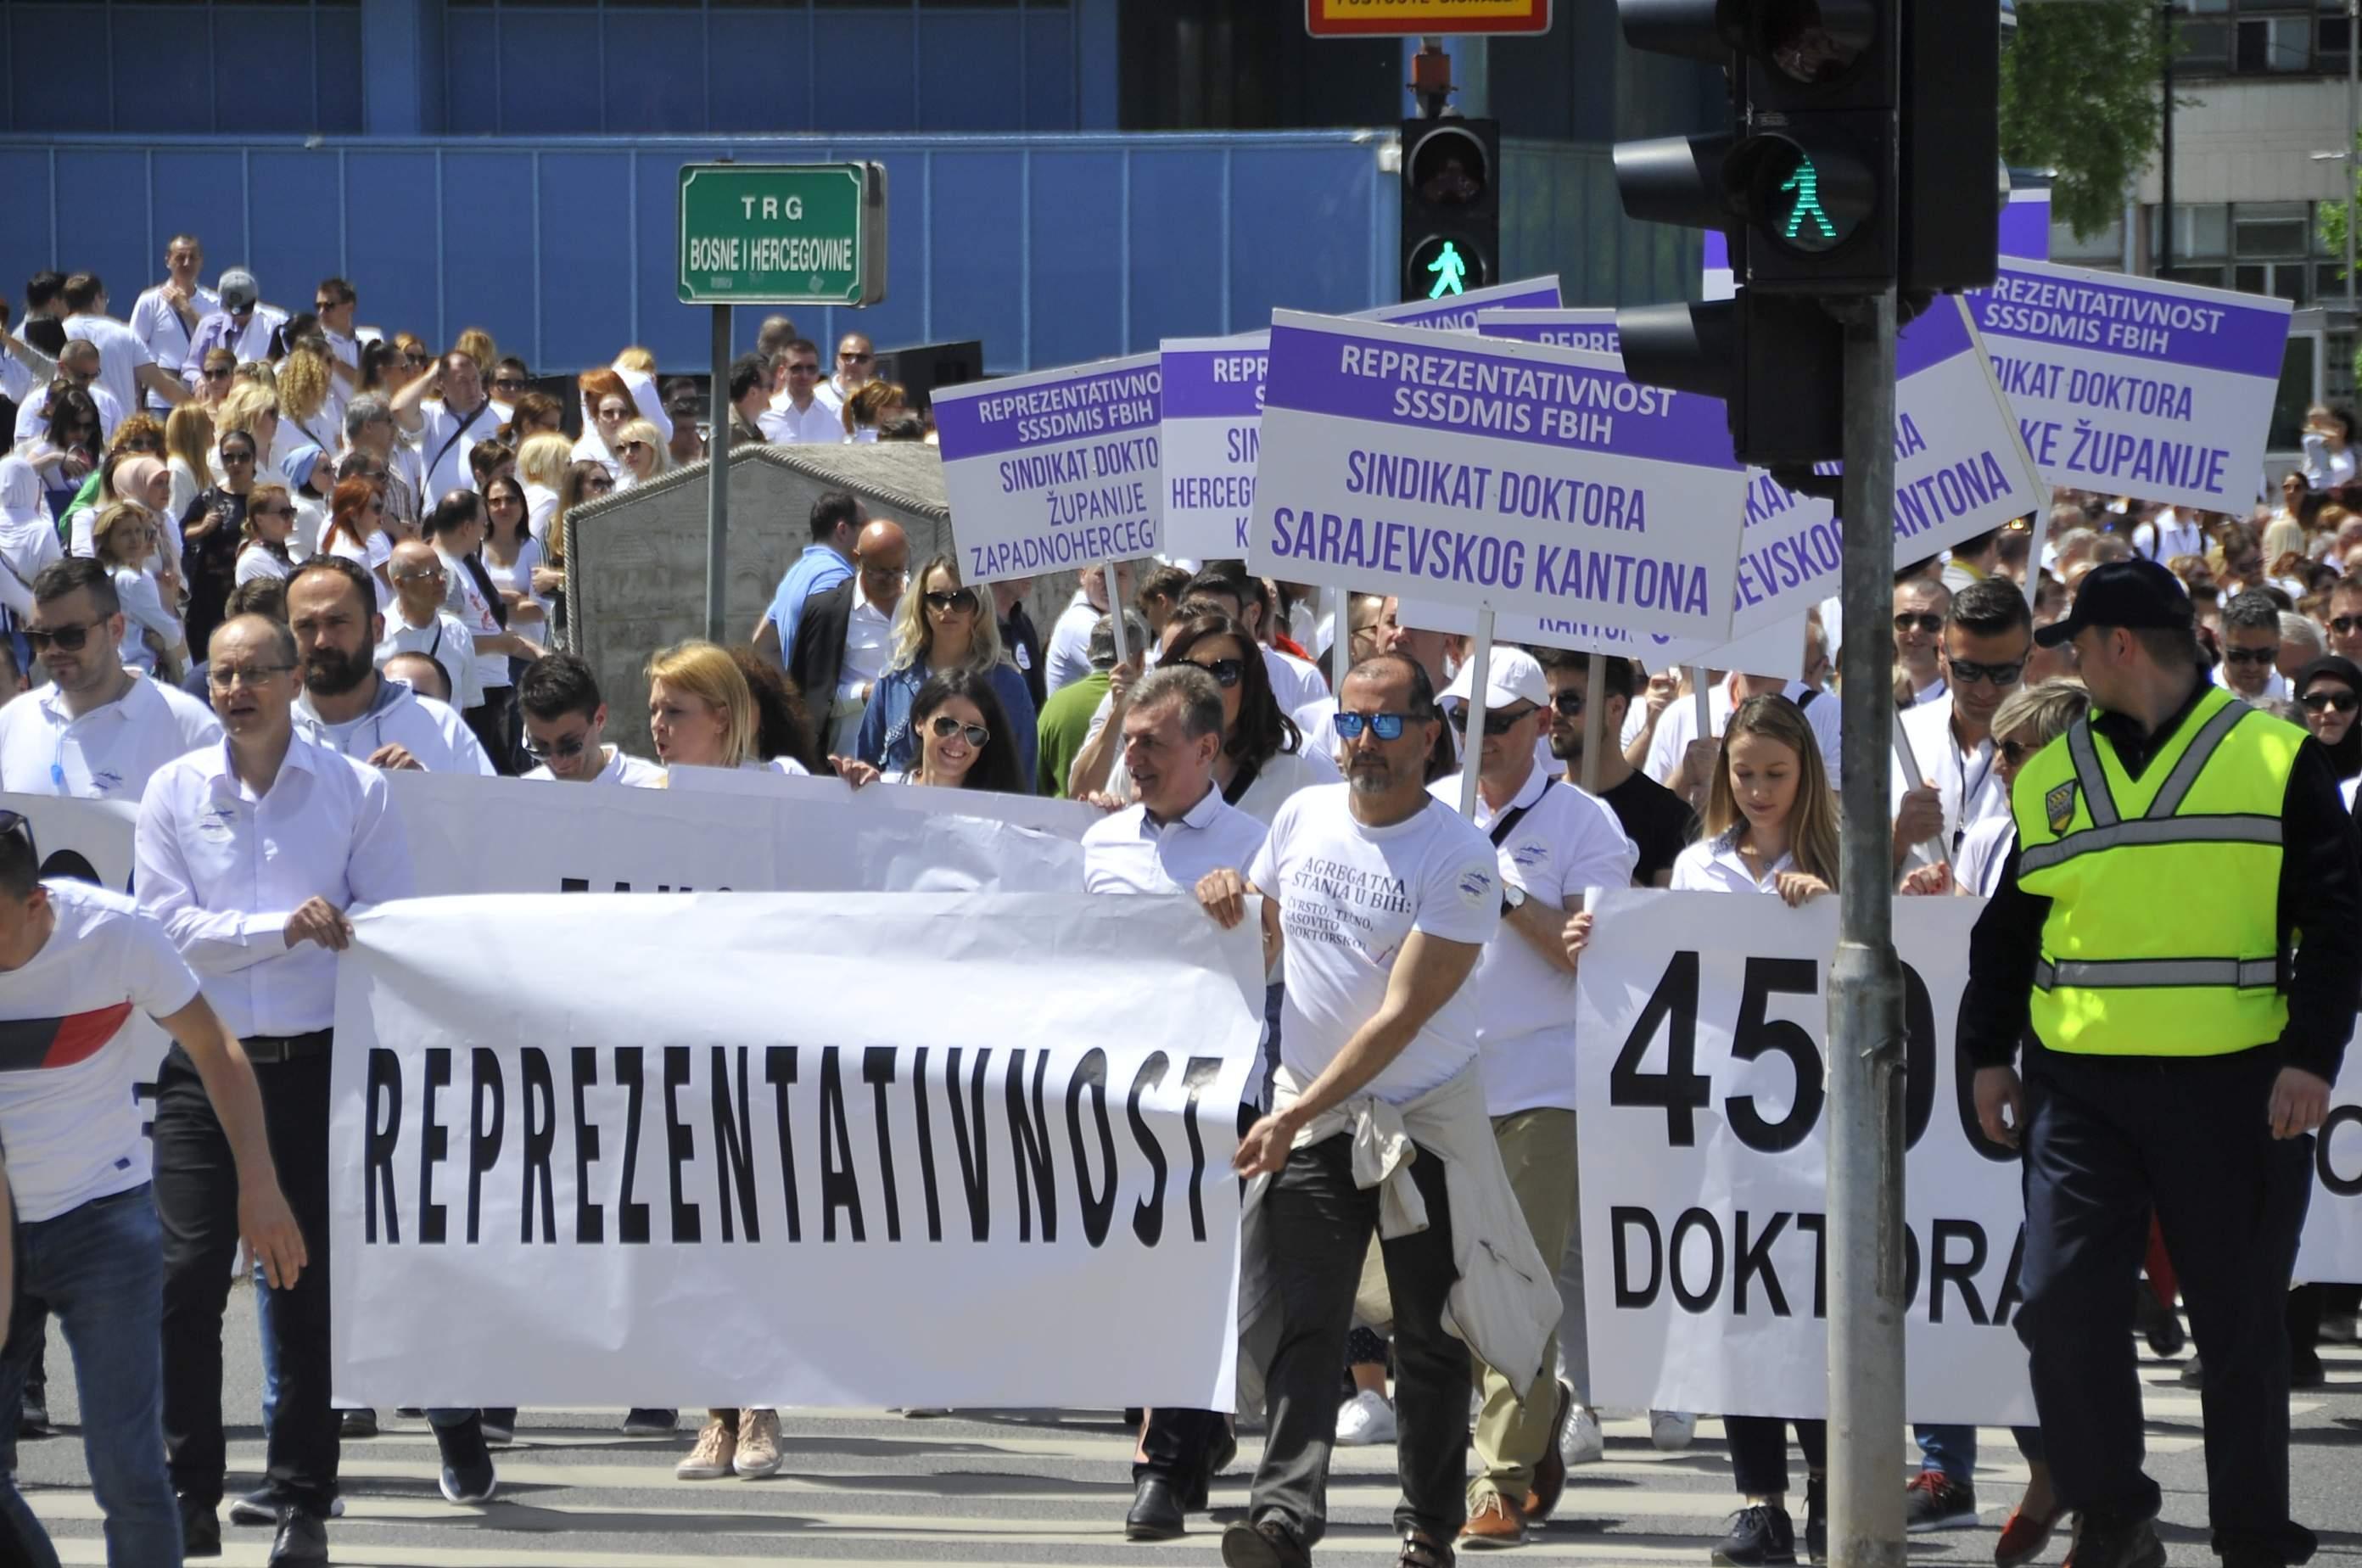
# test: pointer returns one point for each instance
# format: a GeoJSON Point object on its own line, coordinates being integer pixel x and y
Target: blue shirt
{"type": "Point", "coordinates": [886, 741]}
{"type": "Point", "coordinates": [817, 571]}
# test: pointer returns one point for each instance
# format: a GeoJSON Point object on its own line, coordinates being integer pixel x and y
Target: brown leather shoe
{"type": "Point", "coordinates": [1494, 1521]}
{"type": "Point", "coordinates": [1550, 1471]}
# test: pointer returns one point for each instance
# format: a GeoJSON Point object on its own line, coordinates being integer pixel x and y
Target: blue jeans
{"type": "Point", "coordinates": [1953, 1450]}
{"type": "Point", "coordinates": [101, 1269]}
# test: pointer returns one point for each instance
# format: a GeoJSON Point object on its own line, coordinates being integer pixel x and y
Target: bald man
{"type": "Point", "coordinates": [846, 636]}
{"type": "Point", "coordinates": [856, 366]}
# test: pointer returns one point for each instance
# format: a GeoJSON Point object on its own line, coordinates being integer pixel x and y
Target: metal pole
{"type": "Point", "coordinates": [717, 478]}
{"type": "Point", "coordinates": [1341, 638]}
{"type": "Point", "coordinates": [1595, 723]}
{"type": "Point", "coordinates": [1114, 592]}
{"type": "Point", "coordinates": [2165, 158]}
{"type": "Point", "coordinates": [1472, 746]}
{"type": "Point", "coordinates": [1865, 1066]}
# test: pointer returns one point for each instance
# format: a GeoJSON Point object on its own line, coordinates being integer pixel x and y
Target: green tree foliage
{"type": "Point", "coordinates": [2081, 92]}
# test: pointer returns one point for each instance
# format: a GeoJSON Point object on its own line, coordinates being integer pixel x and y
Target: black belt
{"type": "Point", "coordinates": [265, 1048]}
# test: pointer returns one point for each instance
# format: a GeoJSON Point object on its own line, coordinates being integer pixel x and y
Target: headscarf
{"type": "Point", "coordinates": [133, 476]}
{"type": "Point", "coordinates": [2346, 756]}
{"type": "Point", "coordinates": [298, 465]}
{"type": "Point", "coordinates": [652, 408]}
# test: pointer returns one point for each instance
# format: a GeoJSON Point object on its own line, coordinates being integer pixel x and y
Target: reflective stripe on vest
{"type": "Point", "coordinates": [2151, 830]}
{"type": "Point", "coordinates": [2239, 974]}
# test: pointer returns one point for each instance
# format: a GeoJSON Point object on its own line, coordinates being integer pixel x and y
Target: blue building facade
{"type": "Point", "coordinates": [1059, 187]}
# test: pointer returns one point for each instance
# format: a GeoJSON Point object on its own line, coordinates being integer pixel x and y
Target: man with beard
{"type": "Point", "coordinates": [347, 706]}
{"type": "Point", "coordinates": [1657, 821]}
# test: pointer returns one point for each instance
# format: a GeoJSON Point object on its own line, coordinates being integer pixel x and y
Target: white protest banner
{"type": "Point", "coordinates": [2136, 386]}
{"type": "Point", "coordinates": [1458, 313]}
{"type": "Point", "coordinates": [88, 841]}
{"type": "Point", "coordinates": [1700, 1018]}
{"type": "Point", "coordinates": [772, 1150]}
{"type": "Point", "coordinates": [1055, 469]}
{"type": "Point", "coordinates": [1485, 472]}
{"type": "Point", "coordinates": [2332, 1252]}
{"type": "Point", "coordinates": [1777, 649]}
{"type": "Point", "coordinates": [1213, 431]}
{"type": "Point", "coordinates": [1060, 819]}
{"type": "Point", "coordinates": [470, 834]}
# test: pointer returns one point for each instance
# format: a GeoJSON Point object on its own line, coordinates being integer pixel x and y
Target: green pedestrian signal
{"type": "Point", "coordinates": [1444, 266]}
{"type": "Point", "coordinates": [1806, 204]}
{"type": "Point", "coordinates": [1450, 271]}
{"type": "Point", "coordinates": [1806, 182]}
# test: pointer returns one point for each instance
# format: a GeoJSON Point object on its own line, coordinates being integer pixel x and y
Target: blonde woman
{"type": "Point", "coordinates": [307, 415]}
{"type": "Point", "coordinates": [701, 711]}
{"type": "Point", "coordinates": [188, 451]}
{"type": "Point", "coordinates": [541, 465]}
{"type": "Point", "coordinates": [640, 454]}
{"type": "Point", "coordinates": [251, 408]}
{"type": "Point", "coordinates": [154, 641]}
{"type": "Point", "coordinates": [871, 408]}
{"type": "Point", "coordinates": [942, 626]}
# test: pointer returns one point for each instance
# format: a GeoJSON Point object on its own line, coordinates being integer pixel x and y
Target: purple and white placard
{"type": "Point", "coordinates": [1213, 429]}
{"type": "Point", "coordinates": [1775, 650]}
{"type": "Point", "coordinates": [2134, 386]}
{"type": "Point", "coordinates": [1053, 471]}
{"type": "Point", "coordinates": [1477, 471]}
{"type": "Point", "coordinates": [1458, 313]}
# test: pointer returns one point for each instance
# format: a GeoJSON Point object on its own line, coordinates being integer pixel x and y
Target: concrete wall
{"type": "Point", "coordinates": [2251, 139]}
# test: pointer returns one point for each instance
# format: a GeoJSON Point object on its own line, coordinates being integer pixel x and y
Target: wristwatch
{"type": "Point", "coordinates": [1513, 898]}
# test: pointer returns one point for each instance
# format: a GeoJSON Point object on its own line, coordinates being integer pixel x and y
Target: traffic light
{"type": "Point", "coordinates": [1451, 207]}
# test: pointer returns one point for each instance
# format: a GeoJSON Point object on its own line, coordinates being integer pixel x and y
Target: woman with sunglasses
{"type": "Point", "coordinates": [154, 639]}
{"type": "Point", "coordinates": [1264, 757]}
{"type": "Point", "coordinates": [607, 408]}
{"type": "Point", "coordinates": [356, 532]}
{"type": "Point", "coordinates": [262, 539]}
{"type": "Point", "coordinates": [70, 450]}
{"type": "Point", "coordinates": [210, 530]}
{"type": "Point", "coordinates": [214, 378]}
{"type": "Point", "coordinates": [939, 627]}
{"type": "Point", "coordinates": [964, 741]}
{"type": "Point", "coordinates": [510, 555]}
{"type": "Point", "coordinates": [640, 454]}
{"type": "Point", "coordinates": [507, 384]}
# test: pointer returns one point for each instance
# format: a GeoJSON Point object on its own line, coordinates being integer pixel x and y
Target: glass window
{"type": "Point", "coordinates": [2106, 246]}
{"type": "Point", "coordinates": [2205, 46]}
{"type": "Point", "coordinates": [2273, 228]}
{"type": "Point", "coordinates": [2274, 44]}
{"type": "Point", "coordinates": [2197, 231]}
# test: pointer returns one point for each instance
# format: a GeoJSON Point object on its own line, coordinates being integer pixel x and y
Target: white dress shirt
{"type": "Point", "coordinates": [1128, 852]}
{"type": "Point", "coordinates": [1714, 866]}
{"type": "Point", "coordinates": [818, 425]}
{"type": "Point", "coordinates": [1068, 656]}
{"type": "Point", "coordinates": [868, 643]}
{"type": "Point", "coordinates": [224, 870]}
{"type": "Point", "coordinates": [168, 337]}
{"type": "Point", "coordinates": [430, 731]}
{"type": "Point", "coordinates": [1970, 790]}
{"type": "Point", "coordinates": [107, 754]}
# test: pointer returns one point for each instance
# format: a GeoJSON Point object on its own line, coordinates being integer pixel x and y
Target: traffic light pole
{"type": "Point", "coordinates": [717, 482]}
{"type": "Point", "coordinates": [1866, 1030]}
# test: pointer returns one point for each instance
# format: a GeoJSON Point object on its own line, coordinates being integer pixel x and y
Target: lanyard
{"type": "Point", "coordinates": [1970, 790]}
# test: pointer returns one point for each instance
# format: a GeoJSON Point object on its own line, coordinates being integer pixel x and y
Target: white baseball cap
{"type": "Point", "coordinates": [1512, 675]}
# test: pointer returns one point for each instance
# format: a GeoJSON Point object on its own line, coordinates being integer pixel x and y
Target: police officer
{"type": "Point", "coordinates": [2177, 927]}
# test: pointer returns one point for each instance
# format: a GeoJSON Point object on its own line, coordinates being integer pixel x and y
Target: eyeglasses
{"type": "Point", "coordinates": [811, 368]}
{"type": "Point", "coordinates": [852, 358]}
{"type": "Point", "coordinates": [1931, 624]}
{"type": "Point", "coordinates": [508, 383]}
{"type": "Point", "coordinates": [960, 599]}
{"type": "Point", "coordinates": [222, 680]}
{"type": "Point", "coordinates": [1968, 672]}
{"type": "Point", "coordinates": [2344, 624]}
{"type": "Point", "coordinates": [417, 361]}
{"type": "Point", "coordinates": [599, 486]}
{"type": "Point", "coordinates": [69, 639]}
{"type": "Point", "coordinates": [1386, 726]}
{"type": "Point", "coordinates": [2322, 701]}
{"type": "Point", "coordinates": [322, 307]}
{"type": "Point", "coordinates": [1568, 704]}
{"type": "Point", "coordinates": [562, 751]}
{"type": "Point", "coordinates": [418, 575]}
{"type": "Point", "coordinates": [141, 443]}
{"type": "Point", "coordinates": [221, 375]}
{"type": "Point", "coordinates": [1494, 724]}
{"type": "Point", "coordinates": [1225, 671]}
{"type": "Point", "coordinates": [2251, 656]}
{"type": "Point", "coordinates": [946, 726]}
{"type": "Point", "coordinates": [634, 447]}
{"type": "Point", "coordinates": [270, 512]}
{"type": "Point", "coordinates": [2014, 752]}
{"type": "Point", "coordinates": [230, 456]}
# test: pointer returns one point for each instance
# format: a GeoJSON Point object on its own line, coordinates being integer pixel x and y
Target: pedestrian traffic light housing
{"type": "Point", "coordinates": [1451, 207]}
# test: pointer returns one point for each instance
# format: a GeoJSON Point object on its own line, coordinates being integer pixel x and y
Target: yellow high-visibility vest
{"type": "Point", "coordinates": [2163, 934]}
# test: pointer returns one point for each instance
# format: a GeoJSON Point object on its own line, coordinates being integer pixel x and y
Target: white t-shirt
{"type": "Point", "coordinates": [379, 552]}
{"type": "Point", "coordinates": [1349, 895]}
{"type": "Point", "coordinates": [444, 441]}
{"type": "Point", "coordinates": [1564, 842]}
{"type": "Point", "coordinates": [1294, 681]}
{"type": "Point", "coordinates": [254, 560]}
{"type": "Point", "coordinates": [1984, 850]}
{"type": "Point", "coordinates": [622, 769]}
{"type": "Point", "coordinates": [143, 611]}
{"type": "Point", "coordinates": [109, 753]}
{"type": "Point", "coordinates": [464, 602]}
{"type": "Point", "coordinates": [1068, 657]}
{"type": "Point", "coordinates": [68, 1117]}
{"type": "Point", "coordinates": [120, 354]}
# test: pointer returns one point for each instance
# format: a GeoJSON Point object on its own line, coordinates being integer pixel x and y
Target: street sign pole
{"type": "Point", "coordinates": [717, 478]}
{"type": "Point", "coordinates": [1865, 1033]}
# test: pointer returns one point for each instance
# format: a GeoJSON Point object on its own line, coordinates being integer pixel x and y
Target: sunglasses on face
{"type": "Point", "coordinates": [1568, 704]}
{"type": "Point", "coordinates": [1930, 625]}
{"type": "Point", "coordinates": [417, 361]}
{"type": "Point", "coordinates": [811, 370]}
{"type": "Point", "coordinates": [68, 639]}
{"type": "Point", "coordinates": [1386, 726]}
{"type": "Point", "coordinates": [221, 375]}
{"type": "Point", "coordinates": [961, 599]}
{"type": "Point", "coordinates": [229, 458]}
{"type": "Point", "coordinates": [852, 358]}
{"type": "Point", "coordinates": [2250, 656]}
{"type": "Point", "coordinates": [273, 512]}
{"type": "Point", "coordinates": [946, 726]}
{"type": "Point", "coordinates": [141, 443]}
{"type": "Point", "coordinates": [322, 307]}
{"type": "Point", "coordinates": [598, 486]}
{"type": "Point", "coordinates": [560, 751]}
{"type": "Point", "coordinates": [1225, 671]}
{"type": "Point", "coordinates": [508, 383]}
{"type": "Point", "coordinates": [1968, 672]}
{"type": "Point", "coordinates": [2014, 752]}
{"type": "Point", "coordinates": [2344, 626]}
{"type": "Point", "coordinates": [1495, 725]}
{"type": "Point", "coordinates": [2322, 702]}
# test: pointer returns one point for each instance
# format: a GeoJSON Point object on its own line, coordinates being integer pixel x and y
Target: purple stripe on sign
{"type": "Point", "coordinates": [1591, 337]}
{"type": "Point", "coordinates": [1934, 337]}
{"type": "Point", "coordinates": [1718, 251]}
{"type": "Point", "coordinates": [1443, 386]}
{"type": "Point", "coordinates": [2137, 323]}
{"type": "Point", "coordinates": [1457, 315]}
{"type": "Point", "coordinates": [1085, 407]}
{"type": "Point", "coordinates": [1214, 383]}
{"type": "Point", "coordinates": [2026, 229]}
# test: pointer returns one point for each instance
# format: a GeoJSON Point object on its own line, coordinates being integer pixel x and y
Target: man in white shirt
{"type": "Point", "coordinates": [1920, 605]}
{"type": "Point", "coordinates": [566, 727]}
{"type": "Point", "coordinates": [1379, 900]}
{"type": "Point", "coordinates": [78, 370]}
{"type": "Point", "coordinates": [75, 962]}
{"type": "Point", "coordinates": [796, 413]}
{"type": "Point", "coordinates": [421, 625]}
{"type": "Point", "coordinates": [125, 366]}
{"type": "Point", "coordinates": [333, 302]}
{"type": "Point", "coordinates": [844, 637]}
{"type": "Point", "coordinates": [252, 854]}
{"type": "Point", "coordinates": [243, 325]}
{"type": "Point", "coordinates": [1987, 636]}
{"type": "Point", "coordinates": [165, 318]}
{"type": "Point", "coordinates": [1551, 841]}
{"type": "Point", "coordinates": [97, 732]}
{"type": "Point", "coordinates": [2169, 534]}
{"type": "Point", "coordinates": [857, 367]}
{"type": "Point", "coordinates": [1179, 832]}
{"type": "Point", "coordinates": [1069, 655]}
{"type": "Point", "coordinates": [347, 706]}
{"type": "Point", "coordinates": [445, 414]}
{"type": "Point", "coordinates": [1682, 760]}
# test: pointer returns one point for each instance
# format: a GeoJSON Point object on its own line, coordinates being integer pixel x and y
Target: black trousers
{"type": "Point", "coordinates": [1179, 1444]}
{"type": "Point", "coordinates": [491, 721]}
{"type": "Point", "coordinates": [1318, 1225]}
{"type": "Point", "coordinates": [2106, 1139]}
{"type": "Point", "coordinates": [196, 1198]}
{"type": "Point", "coordinates": [1759, 1451]}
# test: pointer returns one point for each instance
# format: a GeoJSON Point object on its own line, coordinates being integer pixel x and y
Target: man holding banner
{"type": "Point", "coordinates": [2181, 1055]}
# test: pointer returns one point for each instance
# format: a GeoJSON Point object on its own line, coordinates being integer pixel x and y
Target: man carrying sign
{"type": "Point", "coordinates": [2173, 849]}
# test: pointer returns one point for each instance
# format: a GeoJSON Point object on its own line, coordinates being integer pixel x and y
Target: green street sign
{"type": "Point", "coordinates": [783, 234]}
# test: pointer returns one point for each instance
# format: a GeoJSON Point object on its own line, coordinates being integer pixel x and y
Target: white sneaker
{"type": "Point", "coordinates": [1582, 1442]}
{"type": "Point", "coordinates": [1670, 1430]}
{"type": "Point", "coordinates": [1364, 1419]}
